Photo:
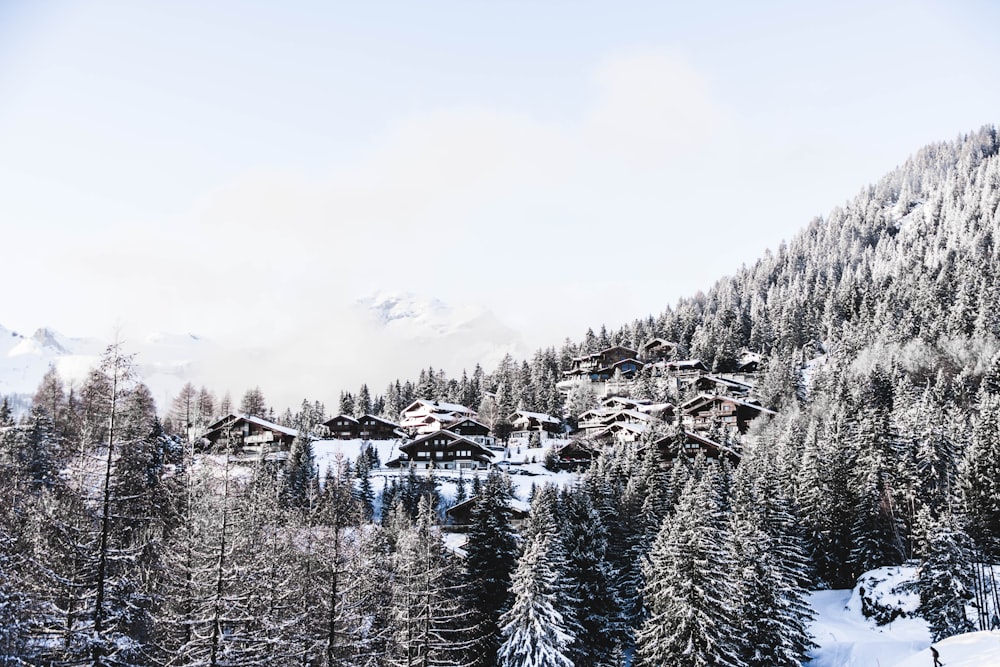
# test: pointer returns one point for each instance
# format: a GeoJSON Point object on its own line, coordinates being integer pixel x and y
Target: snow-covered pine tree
{"type": "Point", "coordinates": [491, 554]}
{"type": "Point", "coordinates": [945, 577]}
{"type": "Point", "coordinates": [689, 591]}
{"type": "Point", "coordinates": [533, 631]}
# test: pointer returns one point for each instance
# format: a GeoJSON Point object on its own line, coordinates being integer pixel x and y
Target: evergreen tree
{"type": "Point", "coordinates": [533, 631]}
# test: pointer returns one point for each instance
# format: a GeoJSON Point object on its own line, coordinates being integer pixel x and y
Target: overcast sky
{"type": "Point", "coordinates": [194, 166]}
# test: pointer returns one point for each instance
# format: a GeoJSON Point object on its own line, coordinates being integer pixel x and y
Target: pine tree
{"type": "Point", "coordinates": [534, 633]}
{"type": "Point", "coordinates": [945, 578]}
{"type": "Point", "coordinates": [491, 554]}
{"type": "Point", "coordinates": [689, 592]}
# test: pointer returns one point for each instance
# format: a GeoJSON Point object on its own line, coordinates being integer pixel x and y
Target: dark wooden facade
{"type": "Point", "coordinates": [707, 410]}
{"type": "Point", "coordinates": [342, 427]}
{"type": "Point", "coordinates": [371, 427]}
{"type": "Point", "coordinates": [445, 450]}
{"type": "Point", "coordinates": [243, 434]}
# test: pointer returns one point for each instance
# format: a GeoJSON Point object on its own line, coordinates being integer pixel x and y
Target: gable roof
{"type": "Point", "coordinates": [438, 406]}
{"type": "Point", "coordinates": [702, 399]}
{"type": "Point", "coordinates": [539, 416]}
{"type": "Point", "coordinates": [456, 441]}
{"type": "Point", "coordinates": [347, 417]}
{"type": "Point", "coordinates": [232, 420]}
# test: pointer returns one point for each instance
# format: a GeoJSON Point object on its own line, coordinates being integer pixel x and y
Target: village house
{"type": "Point", "coordinates": [694, 444]}
{"type": "Point", "coordinates": [576, 454]}
{"type": "Point", "coordinates": [444, 450]}
{"type": "Point", "coordinates": [371, 427]}
{"type": "Point", "coordinates": [707, 410]}
{"type": "Point", "coordinates": [475, 431]}
{"type": "Point", "coordinates": [601, 365]}
{"type": "Point", "coordinates": [525, 423]}
{"type": "Point", "coordinates": [657, 349]}
{"type": "Point", "coordinates": [422, 417]}
{"type": "Point", "coordinates": [460, 514]}
{"type": "Point", "coordinates": [249, 436]}
{"type": "Point", "coordinates": [342, 427]}
{"type": "Point", "coordinates": [718, 384]}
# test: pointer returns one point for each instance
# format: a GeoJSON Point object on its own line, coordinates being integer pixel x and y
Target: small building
{"type": "Point", "coordinates": [718, 384]}
{"type": "Point", "coordinates": [371, 427]}
{"type": "Point", "coordinates": [576, 454]}
{"type": "Point", "coordinates": [657, 349]}
{"type": "Point", "coordinates": [342, 427]}
{"type": "Point", "coordinates": [421, 417]}
{"type": "Point", "coordinates": [461, 513]}
{"type": "Point", "coordinates": [607, 358]}
{"type": "Point", "coordinates": [444, 450]}
{"type": "Point", "coordinates": [525, 423]}
{"type": "Point", "coordinates": [686, 367]}
{"type": "Point", "coordinates": [694, 444]}
{"type": "Point", "coordinates": [475, 431]}
{"type": "Point", "coordinates": [707, 410]}
{"type": "Point", "coordinates": [247, 435]}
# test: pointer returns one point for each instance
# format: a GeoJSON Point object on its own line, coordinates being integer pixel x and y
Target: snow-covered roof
{"type": "Point", "coordinates": [539, 416]}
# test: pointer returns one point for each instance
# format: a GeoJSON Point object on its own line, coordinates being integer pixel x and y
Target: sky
{"type": "Point", "coordinates": [248, 170]}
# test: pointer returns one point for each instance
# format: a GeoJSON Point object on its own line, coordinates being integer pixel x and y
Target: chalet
{"type": "Point", "coordinates": [749, 362]}
{"type": "Point", "coordinates": [707, 410]}
{"type": "Point", "coordinates": [718, 384]}
{"type": "Point", "coordinates": [243, 434]}
{"type": "Point", "coordinates": [475, 431]}
{"type": "Point", "coordinates": [686, 367]}
{"type": "Point", "coordinates": [610, 358]}
{"type": "Point", "coordinates": [342, 427]}
{"type": "Point", "coordinates": [445, 450]}
{"type": "Point", "coordinates": [525, 423]}
{"type": "Point", "coordinates": [461, 513]}
{"type": "Point", "coordinates": [371, 427]}
{"type": "Point", "coordinates": [421, 417]}
{"type": "Point", "coordinates": [657, 349]}
{"type": "Point", "coordinates": [694, 444]}
{"type": "Point", "coordinates": [639, 405]}
{"type": "Point", "coordinates": [620, 431]}
{"type": "Point", "coordinates": [575, 455]}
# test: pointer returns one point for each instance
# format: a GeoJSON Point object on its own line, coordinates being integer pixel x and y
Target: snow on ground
{"type": "Point", "coordinates": [521, 463]}
{"type": "Point", "coordinates": [974, 649]}
{"type": "Point", "coordinates": [848, 635]}
{"type": "Point", "coordinates": [845, 638]}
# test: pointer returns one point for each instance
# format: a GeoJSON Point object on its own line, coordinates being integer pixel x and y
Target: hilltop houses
{"type": "Point", "coordinates": [704, 411]}
{"type": "Point", "coordinates": [526, 423]}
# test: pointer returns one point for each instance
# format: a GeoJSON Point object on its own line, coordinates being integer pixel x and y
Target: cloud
{"type": "Point", "coordinates": [651, 106]}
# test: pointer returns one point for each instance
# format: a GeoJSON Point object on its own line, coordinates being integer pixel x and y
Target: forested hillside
{"type": "Point", "coordinates": [122, 544]}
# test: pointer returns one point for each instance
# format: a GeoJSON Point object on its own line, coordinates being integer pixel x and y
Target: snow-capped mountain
{"type": "Point", "coordinates": [462, 335]}
{"type": "Point", "coordinates": [164, 361]}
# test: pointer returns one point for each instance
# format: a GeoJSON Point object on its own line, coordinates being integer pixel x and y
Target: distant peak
{"type": "Point", "coordinates": [48, 338]}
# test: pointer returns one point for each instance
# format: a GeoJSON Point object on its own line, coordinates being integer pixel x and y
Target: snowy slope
{"type": "Point", "coordinates": [845, 638]}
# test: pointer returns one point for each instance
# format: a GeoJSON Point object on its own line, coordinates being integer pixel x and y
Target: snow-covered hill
{"type": "Point", "coordinates": [847, 638]}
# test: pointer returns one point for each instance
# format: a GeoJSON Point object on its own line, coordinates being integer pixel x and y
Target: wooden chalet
{"type": "Point", "coordinates": [592, 364]}
{"type": "Point", "coordinates": [749, 362]}
{"type": "Point", "coordinates": [342, 427]}
{"type": "Point", "coordinates": [576, 454]}
{"type": "Point", "coordinates": [694, 444]}
{"type": "Point", "coordinates": [639, 405]}
{"type": "Point", "coordinates": [718, 384]}
{"type": "Point", "coordinates": [444, 450]}
{"type": "Point", "coordinates": [247, 435]}
{"type": "Point", "coordinates": [707, 410]}
{"type": "Point", "coordinates": [657, 349]}
{"type": "Point", "coordinates": [620, 432]}
{"type": "Point", "coordinates": [371, 427]}
{"type": "Point", "coordinates": [421, 417]}
{"type": "Point", "coordinates": [686, 367]}
{"type": "Point", "coordinates": [461, 513]}
{"type": "Point", "coordinates": [525, 423]}
{"type": "Point", "coordinates": [475, 431]}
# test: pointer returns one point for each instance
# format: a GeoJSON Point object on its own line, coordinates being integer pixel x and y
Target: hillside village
{"type": "Point", "coordinates": [716, 412]}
